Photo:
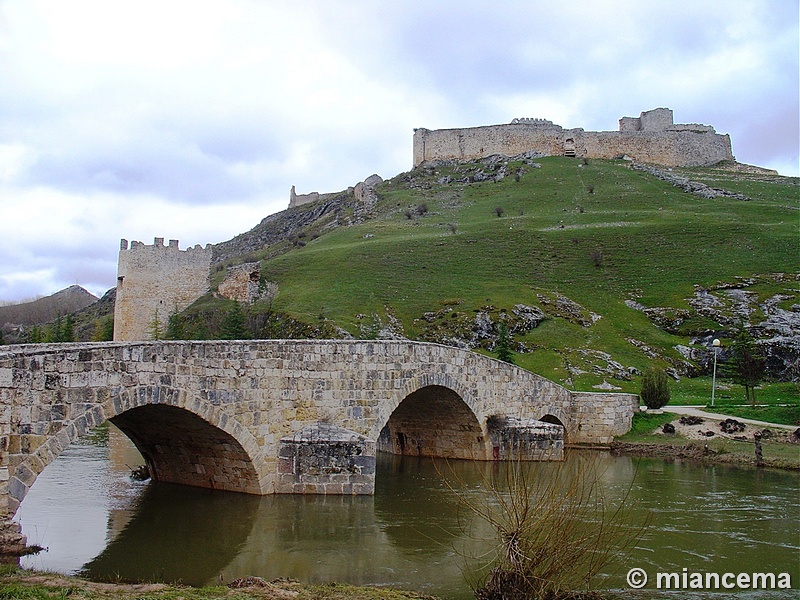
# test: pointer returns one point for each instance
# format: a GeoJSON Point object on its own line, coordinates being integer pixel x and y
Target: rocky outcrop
{"type": "Point", "coordinates": [691, 187]}
{"type": "Point", "coordinates": [774, 322]}
{"type": "Point", "coordinates": [479, 329]}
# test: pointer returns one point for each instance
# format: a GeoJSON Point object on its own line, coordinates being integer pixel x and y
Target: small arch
{"type": "Point", "coordinates": [554, 420]}
{"type": "Point", "coordinates": [433, 421]}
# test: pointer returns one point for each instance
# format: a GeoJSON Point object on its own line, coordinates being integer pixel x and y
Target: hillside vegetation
{"type": "Point", "coordinates": [598, 270]}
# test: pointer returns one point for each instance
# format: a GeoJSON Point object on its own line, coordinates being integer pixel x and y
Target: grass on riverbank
{"type": "Point", "coordinates": [19, 584]}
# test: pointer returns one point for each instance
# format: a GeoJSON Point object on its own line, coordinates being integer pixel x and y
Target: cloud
{"type": "Point", "coordinates": [192, 120]}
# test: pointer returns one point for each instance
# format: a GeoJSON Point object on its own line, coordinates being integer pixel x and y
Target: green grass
{"type": "Point", "coordinates": [644, 424]}
{"type": "Point", "coordinates": [785, 415]}
{"type": "Point", "coordinates": [655, 243]}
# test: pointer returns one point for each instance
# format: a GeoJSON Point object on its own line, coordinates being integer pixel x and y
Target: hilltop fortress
{"type": "Point", "coordinates": [652, 137]}
{"type": "Point", "coordinates": [155, 281]}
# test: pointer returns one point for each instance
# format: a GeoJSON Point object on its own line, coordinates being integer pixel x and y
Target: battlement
{"type": "Point", "coordinates": [158, 243]}
{"type": "Point", "coordinates": [153, 281]}
{"type": "Point", "coordinates": [536, 122]}
{"type": "Point", "coordinates": [652, 137]}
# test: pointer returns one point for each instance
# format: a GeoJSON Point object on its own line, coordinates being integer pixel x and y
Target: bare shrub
{"type": "Point", "coordinates": [453, 227]}
{"type": "Point", "coordinates": [554, 531]}
{"type": "Point", "coordinates": [409, 215]}
{"type": "Point", "coordinates": [499, 211]}
{"type": "Point", "coordinates": [597, 258]}
{"type": "Point", "coordinates": [422, 209]}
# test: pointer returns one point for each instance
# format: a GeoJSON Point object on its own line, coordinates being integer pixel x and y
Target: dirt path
{"type": "Point", "coordinates": [699, 411]}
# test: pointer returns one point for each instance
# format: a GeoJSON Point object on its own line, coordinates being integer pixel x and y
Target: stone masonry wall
{"type": "Point", "coordinates": [650, 138]}
{"type": "Point", "coordinates": [244, 397]}
{"type": "Point", "coordinates": [600, 417]}
{"type": "Point", "coordinates": [156, 280]}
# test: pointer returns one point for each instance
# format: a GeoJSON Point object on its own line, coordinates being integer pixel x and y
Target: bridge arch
{"type": "Point", "coordinates": [432, 417]}
{"type": "Point", "coordinates": [192, 442]}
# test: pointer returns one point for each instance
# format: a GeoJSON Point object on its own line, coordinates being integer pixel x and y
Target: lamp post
{"type": "Point", "coordinates": [715, 344]}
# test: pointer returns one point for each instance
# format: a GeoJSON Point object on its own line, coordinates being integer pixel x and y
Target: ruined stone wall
{"type": "Point", "coordinates": [296, 199]}
{"type": "Point", "coordinates": [651, 138]}
{"type": "Point", "coordinates": [156, 279]}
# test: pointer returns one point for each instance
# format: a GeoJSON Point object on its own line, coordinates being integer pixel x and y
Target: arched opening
{"type": "Point", "coordinates": [555, 421]}
{"type": "Point", "coordinates": [433, 421]}
{"type": "Point", "coordinates": [180, 447]}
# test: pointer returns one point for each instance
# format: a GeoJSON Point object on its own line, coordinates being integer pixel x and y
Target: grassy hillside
{"type": "Point", "coordinates": [598, 234]}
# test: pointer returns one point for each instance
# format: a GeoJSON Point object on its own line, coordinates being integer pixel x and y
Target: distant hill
{"type": "Point", "coordinates": [44, 310]}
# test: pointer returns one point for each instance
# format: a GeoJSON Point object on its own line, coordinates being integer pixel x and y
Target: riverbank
{"type": "Point", "coordinates": [19, 583]}
{"type": "Point", "coordinates": [694, 434]}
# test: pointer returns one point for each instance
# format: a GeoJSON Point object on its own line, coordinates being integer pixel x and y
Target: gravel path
{"type": "Point", "coordinates": [699, 411]}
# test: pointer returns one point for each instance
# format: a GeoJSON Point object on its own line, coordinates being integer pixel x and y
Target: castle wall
{"type": "Point", "coordinates": [156, 279]}
{"type": "Point", "coordinates": [683, 148]}
{"type": "Point", "coordinates": [651, 138]}
{"type": "Point", "coordinates": [472, 143]}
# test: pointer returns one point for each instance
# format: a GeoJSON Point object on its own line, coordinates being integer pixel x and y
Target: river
{"type": "Point", "coordinates": [414, 533]}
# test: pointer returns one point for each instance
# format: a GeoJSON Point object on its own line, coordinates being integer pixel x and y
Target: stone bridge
{"type": "Point", "coordinates": [276, 416]}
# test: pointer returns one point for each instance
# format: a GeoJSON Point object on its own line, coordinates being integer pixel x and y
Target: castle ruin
{"type": "Point", "coordinates": [154, 282]}
{"type": "Point", "coordinates": [652, 137]}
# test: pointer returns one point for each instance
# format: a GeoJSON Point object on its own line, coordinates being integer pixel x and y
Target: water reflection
{"type": "Point", "coordinates": [412, 533]}
{"type": "Point", "coordinates": [174, 526]}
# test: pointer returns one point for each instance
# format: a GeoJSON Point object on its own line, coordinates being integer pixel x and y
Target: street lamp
{"type": "Point", "coordinates": [715, 344]}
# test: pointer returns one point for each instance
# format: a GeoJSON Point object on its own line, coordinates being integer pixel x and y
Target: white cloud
{"type": "Point", "coordinates": [191, 120]}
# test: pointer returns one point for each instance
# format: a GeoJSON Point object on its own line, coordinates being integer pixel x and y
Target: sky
{"type": "Point", "coordinates": [191, 120]}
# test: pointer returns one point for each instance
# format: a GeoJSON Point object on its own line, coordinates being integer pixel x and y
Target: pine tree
{"type": "Point", "coordinates": [104, 330]}
{"type": "Point", "coordinates": [174, 326]}
{"type": "Point", "coordinates": [503, 347]}
{"type": "Point", "coordinates": [233, 324]}
{"type": "Point", "coordinates": [67, 333]}
{"type": "Point", "coordinates": [53, 332]}
{"type": "Point", "coordinates": [155, 328]}
{"type": "Point", "coordinates": [36, 336]}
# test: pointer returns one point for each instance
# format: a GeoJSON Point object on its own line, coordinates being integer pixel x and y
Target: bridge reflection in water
{"type": "Point", "coordinates": [410, 534]}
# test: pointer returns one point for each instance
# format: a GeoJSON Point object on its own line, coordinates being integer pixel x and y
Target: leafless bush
{"type": "Point", "coordinates": [499, 211]}
{"type": "Point", "coordinates": [422, 209]}
{"type": "Point", "coordinates": [597, 258]}
{"type": "Point", "coordinates": [554, 530]}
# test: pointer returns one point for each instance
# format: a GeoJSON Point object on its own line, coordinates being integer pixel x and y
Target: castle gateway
{"type": "Point", "coordinates": [651, 138]}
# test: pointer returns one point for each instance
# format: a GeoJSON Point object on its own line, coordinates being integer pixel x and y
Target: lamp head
{"type": "Point", "coordinates": [715, 343]}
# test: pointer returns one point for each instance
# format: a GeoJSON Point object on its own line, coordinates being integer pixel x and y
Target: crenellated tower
{"type": "Point", "coordinates": [155, 281]}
